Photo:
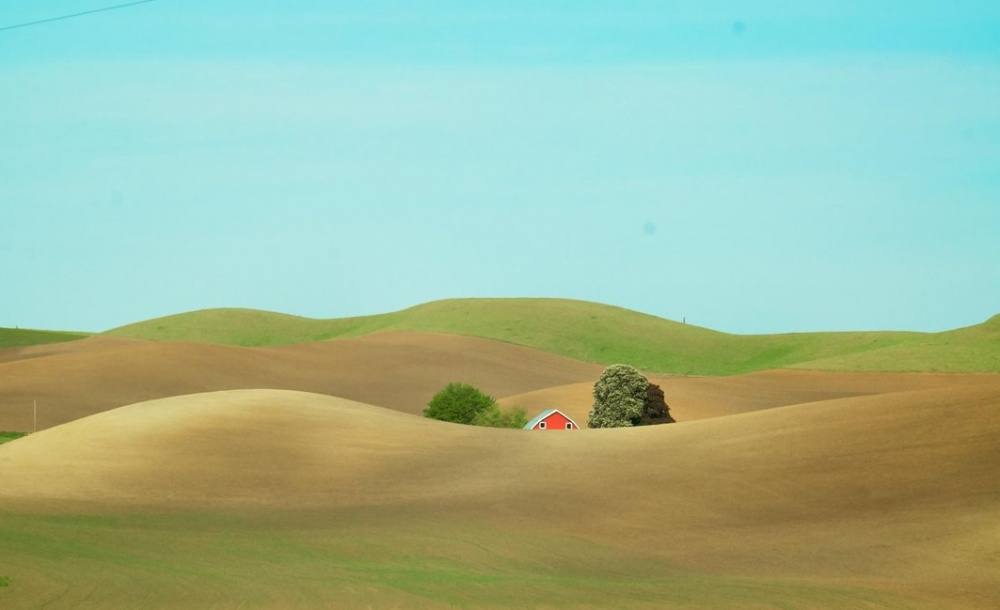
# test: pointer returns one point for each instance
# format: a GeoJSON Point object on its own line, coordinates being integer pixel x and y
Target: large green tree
{"type": "Point", "coordinates": [619, 397]}
{"type": "Point", "coordinates": [459, 403]}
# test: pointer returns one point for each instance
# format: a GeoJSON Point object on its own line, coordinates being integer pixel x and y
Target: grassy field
{"type": "Point", "coordinates": [605, 334]}
{"type": "Point", "coordinates": [21, 337]}
{"type": "Point", "coordinates": [359, 559]}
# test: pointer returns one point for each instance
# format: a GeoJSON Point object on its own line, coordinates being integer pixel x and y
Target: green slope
{"type": "Point", "coordinates": [246, 327]}
{"type": "Point", "coordinates": [604, 334]}
{"type": "Point", "coordinates": [22, 337]}
{"type": "Point", "coordinates": [381, 559]}
{"type": "Point", "coordinates": [972, 349]}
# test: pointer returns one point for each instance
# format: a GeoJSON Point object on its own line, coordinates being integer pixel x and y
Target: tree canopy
{"type": "Point", "coordinates": [619, 397]}
{"type": "Point", "coordinates": [623, 397]}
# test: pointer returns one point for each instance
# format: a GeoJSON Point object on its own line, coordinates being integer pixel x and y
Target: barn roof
{"type": "Point", "coordinates": [544, 414]}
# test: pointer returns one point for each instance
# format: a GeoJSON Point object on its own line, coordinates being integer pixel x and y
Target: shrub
{"type": "Point", "coordinates": [459, 403]}
{"type": "Point", "coordinates": [494, 417]}
{"type": "Point", "coordinates": [619, 397]}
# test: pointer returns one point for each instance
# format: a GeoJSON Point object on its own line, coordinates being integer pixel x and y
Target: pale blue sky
{"type": "Point", "coordinates": [753, 167]}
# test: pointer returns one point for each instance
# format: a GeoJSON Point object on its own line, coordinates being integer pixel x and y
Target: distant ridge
{"type": "Point", "coordinates": [21, 337]}
{"type": "Point", "coordinates": [604, 334]}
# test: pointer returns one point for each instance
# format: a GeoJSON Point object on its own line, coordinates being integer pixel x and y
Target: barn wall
{"type": "Point", "coordinates": [556, 421]}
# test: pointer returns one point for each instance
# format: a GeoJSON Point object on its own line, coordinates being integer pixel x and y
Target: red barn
{"type": "Point", "coordinates": [552, 419]}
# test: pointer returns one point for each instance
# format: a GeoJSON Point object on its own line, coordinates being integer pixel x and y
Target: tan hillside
{"type": "Point", "coordinates": [235, 448]}
{"type": "Point", "coordinates": [399, 370]}
{"type": "Point", "coordinates": [895, 492]}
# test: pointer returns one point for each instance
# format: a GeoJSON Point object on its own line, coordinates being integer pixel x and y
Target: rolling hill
{"type": "Point", "coordinates": [400, 370]}
{"type": "Point", "coordinates": [261, 498]}
{"type": "Point", "coordinates": [604, 334]}
{"type": "Point", "coordinates": [163, 476]}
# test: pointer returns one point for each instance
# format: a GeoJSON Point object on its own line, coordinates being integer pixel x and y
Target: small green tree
{"type": "Point", "coordinates": [459, 403]}
{"type": "Point", "coordinates": [494, 417]}
{"type": "Point", "coordinates": [619, 397]}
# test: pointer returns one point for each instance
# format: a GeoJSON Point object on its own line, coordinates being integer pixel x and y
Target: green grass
{"type": "Point", "coordinates": [605, 335]}
{"type": "Point", "coordinates": [22, 337]}
{"type": "Point", "coordinates": [971, 349]}
{"type": "Point", "coordinates": [6, 436]}
{"type": "Point", "coordinates": [359, 560]}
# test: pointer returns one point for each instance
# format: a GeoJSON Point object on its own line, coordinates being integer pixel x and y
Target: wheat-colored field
{"type": "Point", "coordinates": [780, 489]}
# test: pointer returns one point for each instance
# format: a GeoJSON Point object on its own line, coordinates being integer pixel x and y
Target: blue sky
{"type": "Point", "coordinates": [751, 167]}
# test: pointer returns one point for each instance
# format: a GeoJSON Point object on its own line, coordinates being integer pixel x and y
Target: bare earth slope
{"type": "Point", "coordinates": [894, 492]}
{"type": "Point", "coordinates": [693, 398]}
{"type": "Point", "coordinates": [399, 370]}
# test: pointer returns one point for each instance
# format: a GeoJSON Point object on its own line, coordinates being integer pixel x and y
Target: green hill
{"type": "Point", "coordinates": [604, 334]}
{"type": "Point", "coordinates": [972, 349]}
{"type": "Point", "coordinates": [22, 337]}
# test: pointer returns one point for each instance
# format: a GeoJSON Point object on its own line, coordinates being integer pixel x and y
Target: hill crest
{"type": "Point", "coordinates": [602, 334]}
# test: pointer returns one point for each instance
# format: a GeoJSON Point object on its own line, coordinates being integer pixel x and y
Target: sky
{"type": "Point", "coordinates": [751, 167]}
